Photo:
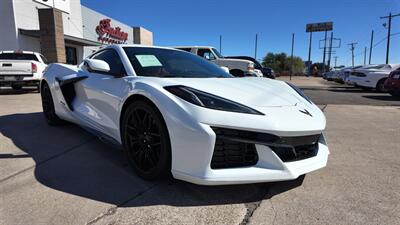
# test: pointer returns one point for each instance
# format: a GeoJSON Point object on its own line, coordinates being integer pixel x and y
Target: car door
{"type": "Point", "coordinates": [98, 96]}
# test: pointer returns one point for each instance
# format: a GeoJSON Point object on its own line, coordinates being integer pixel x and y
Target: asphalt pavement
{"type": "Point", "coordinates": [63, 175]}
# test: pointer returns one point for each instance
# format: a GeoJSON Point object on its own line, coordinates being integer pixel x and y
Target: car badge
{"type": "Point", "coordinates": [305, 112]}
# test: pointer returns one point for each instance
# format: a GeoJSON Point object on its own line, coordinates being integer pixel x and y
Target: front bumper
{"type": "Point", "coordinates": [268, 168]}
{"type": "Point", "coordinates": [24, 80]}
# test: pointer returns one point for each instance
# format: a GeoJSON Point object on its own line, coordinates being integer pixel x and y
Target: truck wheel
{"type": "Point", "coordinates": [237, 73]}
{"type": "Point", "coordinates": [16, 86]}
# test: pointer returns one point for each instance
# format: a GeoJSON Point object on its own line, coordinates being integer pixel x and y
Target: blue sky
{"type": "Point", "coordinates": [186, 22]}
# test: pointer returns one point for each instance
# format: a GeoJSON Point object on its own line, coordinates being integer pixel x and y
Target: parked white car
{"type": "Point", "coordinates": [174, 112]}
{"type": "Point", "coordinates": [373, 77]}
{"type": "Point", "coordinates": [21, 68]}
{"type": "Point", "coordinates": [237, 67]}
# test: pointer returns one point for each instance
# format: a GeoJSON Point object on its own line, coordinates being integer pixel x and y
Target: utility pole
{"type": "Point", "coordinates": [352, 47]}
{"type": "Point", "coordinates": [330, 51]}
{"type": "Point", "coordinates": [370, 47]}
{"type": "Point", "coordinates": [323, 58]}
{"type": "Point", "coordinates": [389, 30]}
{"type": "Point", "coordinates": [309, 55]}
{"type": "Point", "coordinates": [291, 58]}
{"type": "Point", "coordinates": [255, 50]}
{"type": "Point", "coordinates": [220, 44]}
{"type": "Point", "coordinates": [365, 55]}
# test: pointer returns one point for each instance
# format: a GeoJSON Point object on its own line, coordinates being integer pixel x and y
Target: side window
{"type": "Point", "coordinates": [111, 57]}
{"type": "Point", "coordinates": [185, 49]}
{"type": "Point", "coordinates": [44, 59]}
{"type": "Point", "coordinates": [205, 53]}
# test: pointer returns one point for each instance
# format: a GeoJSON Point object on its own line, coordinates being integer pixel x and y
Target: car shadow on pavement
{"type": "Point", "coordinates": [351, 90]}
{"type": "Point", "coordinates": [9, 91]}
{"type": "Point", "coordinates": [70, 160]}
{"type": "Point", "coordinates": [383, 97]}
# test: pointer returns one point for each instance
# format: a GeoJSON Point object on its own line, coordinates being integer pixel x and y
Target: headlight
{"type": "Point", "coordinates": [210, 101]}
{"type": "Point", "coordinates": [300, 92]}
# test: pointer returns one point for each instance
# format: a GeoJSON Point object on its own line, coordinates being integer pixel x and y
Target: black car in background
{"type": "Point", "coordinates": [266, 71]}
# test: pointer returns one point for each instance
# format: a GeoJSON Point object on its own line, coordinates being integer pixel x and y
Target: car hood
{"type": "Point", "coordinates": [250, 91]}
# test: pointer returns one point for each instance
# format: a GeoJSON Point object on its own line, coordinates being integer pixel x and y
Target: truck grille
{"type": "Point", "coordinates": [236, 148]}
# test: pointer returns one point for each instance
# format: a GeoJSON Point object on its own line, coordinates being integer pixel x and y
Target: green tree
{"type": "Point", "coordinates": [280, 62]}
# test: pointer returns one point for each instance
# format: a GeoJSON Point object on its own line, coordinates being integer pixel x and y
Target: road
{"type": "Point", "coordinates": [63, 175]}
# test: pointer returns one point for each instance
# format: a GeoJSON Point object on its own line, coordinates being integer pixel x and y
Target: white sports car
{"type": "Point", "coordinates": [174, 112]}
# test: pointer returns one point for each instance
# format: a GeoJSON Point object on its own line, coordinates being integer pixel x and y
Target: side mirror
{"type": "Point", "coordinates": [96, 65]}
{"type": "Point", "coordinates": [207, 57]}
{"type": "Point", "coordinates": [224, 68]}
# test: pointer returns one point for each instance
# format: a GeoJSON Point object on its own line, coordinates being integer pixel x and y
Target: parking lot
{"type": "Point", "coordinates": [63, 175]}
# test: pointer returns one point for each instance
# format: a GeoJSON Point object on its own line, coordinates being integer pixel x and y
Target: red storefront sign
{"type": "Point", "coordinates": [110, 35]}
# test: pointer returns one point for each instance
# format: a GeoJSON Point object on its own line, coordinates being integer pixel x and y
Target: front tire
{"type": "Point", "coordinates": [48, 106]}
{"type": "Point", "coordinates": [146, 141]}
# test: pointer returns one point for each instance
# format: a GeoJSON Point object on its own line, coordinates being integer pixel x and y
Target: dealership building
{"type": "Point", "coordinates": [62, 30]}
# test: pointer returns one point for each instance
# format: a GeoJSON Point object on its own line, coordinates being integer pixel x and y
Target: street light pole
{"type": "Point", "coordinates": [370, 47]}
{"type": "Point", "coordinates": [365, 55]}
{"type": "Point", "coordinates": [323, 58]}
{"type": "Point", "coordinates": [255, 49]}
{"type": "Point", "coordinates": [291, 58]}
{"type": "Point", "coordinates": [330, 51]}
{"type": "Point", "coordinates": [309, 55]}
{"type": "Point", "coordinates": [220, 44]}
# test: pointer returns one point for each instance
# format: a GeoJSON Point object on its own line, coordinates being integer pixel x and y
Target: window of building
{"type": "Point", "coordinates": [70, 54]}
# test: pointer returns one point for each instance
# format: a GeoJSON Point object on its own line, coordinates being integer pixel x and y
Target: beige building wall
{"type": "Point", "coordinates": [142, 36]}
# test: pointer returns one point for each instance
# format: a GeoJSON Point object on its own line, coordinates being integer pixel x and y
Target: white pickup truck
{"type": "Point", "coordinates": [237, 67]}
{"type": "Point", "coordinates": [21, 68]}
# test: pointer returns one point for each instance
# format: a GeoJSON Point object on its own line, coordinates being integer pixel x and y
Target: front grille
{"type": "Point", "coordinates": [230, 153]}
{"type": "Point", "coordinates": [295, 153]}
{"type": "Point", "coordinates": [236, 148]}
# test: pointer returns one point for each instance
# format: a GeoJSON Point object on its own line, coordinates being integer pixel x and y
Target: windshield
{"type": "Point", "coordinates": [157, 62]}
{"type": "Point", "coordinates": [217, 53]}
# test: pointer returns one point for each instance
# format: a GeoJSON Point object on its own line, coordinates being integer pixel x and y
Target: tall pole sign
{"type": "Point", "coordinates": [317, 27]}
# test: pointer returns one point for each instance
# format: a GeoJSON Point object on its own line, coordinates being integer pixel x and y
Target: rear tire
{"type": "Point", "coordinates": [16, 86]}
{"type": "Point", "coordinates": [146, 141]}
{"type": "Point", "coordinates": [380, 86]}
{"type": "Point", "coordinates": [48, 106]}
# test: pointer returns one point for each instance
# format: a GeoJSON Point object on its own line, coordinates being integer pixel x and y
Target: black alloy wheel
{"type": "Point", "coordinates": [48, 106]}
{"type": "Point", "coordinates": [146, 141]}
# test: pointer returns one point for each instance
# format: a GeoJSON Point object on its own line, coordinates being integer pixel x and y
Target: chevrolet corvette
{"type": "Point", "coordinates": [173, 112]}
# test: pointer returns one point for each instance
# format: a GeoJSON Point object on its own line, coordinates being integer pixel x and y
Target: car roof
{"type": "Point", "coordinates": [139, 46]}
{"type": "Point", "coordinates": [195, 46]}
{"type": "Point", "coordinates": [16, 51]}
{"type": "Point", "coordinates": [241, 56]}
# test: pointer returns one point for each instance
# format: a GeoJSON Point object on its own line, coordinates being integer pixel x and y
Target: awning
{"type": "Point", "coordinates": [68, 39]}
